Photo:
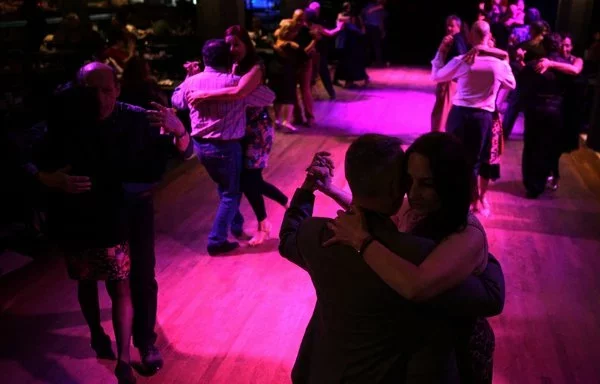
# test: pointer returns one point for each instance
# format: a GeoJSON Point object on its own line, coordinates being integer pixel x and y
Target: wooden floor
{"type": "Point", "coordinates": [239, 319]}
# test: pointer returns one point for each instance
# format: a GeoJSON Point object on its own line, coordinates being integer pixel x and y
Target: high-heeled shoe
{"type": "Point", "coordinates": [484, 208]}
{"type": "Point", "coordinates": [124, 373]}
{"type": "Point", "coordinates": [264, 231]}
{"type": "Point", "coordinates": [102, 345]}
{"type": "Point", "coordinates": [552, 183]}
{"type": "Point", "coordinates": [287, 127]}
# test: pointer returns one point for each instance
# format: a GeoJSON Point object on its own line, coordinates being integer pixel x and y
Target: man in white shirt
{"type": "Point", "coordinates": [470, 118]}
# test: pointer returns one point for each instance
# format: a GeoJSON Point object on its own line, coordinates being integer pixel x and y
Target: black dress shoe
{"type": "Point", "coordinates": [215, 250]}
{"type": "Point", "coordinates": [124, 373]}
{"type": "Point", "coordinates": [152, 359]}
{"type": "Point", "coordinates": [102, 346]}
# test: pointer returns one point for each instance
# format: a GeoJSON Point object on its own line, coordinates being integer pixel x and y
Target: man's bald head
{"type": "Point", "coordinates": [298, 15]}
{"type": "Point", "coordinates": [481, 32]}
{"type": "Point", "coordinates": [95, 69]}
{"type": "Point", "coordinates": [102, 78]}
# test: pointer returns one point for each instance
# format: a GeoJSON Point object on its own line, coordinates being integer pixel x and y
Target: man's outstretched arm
{"type": "Point", "coordinates": [165, 118]}
{"type": "Point", "coordinates": [301, 207]}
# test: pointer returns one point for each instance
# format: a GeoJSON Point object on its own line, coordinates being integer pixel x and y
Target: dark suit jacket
{"type": "Point", "coordinates": [459, 47]}
{"type": "Point", "coordinates": [362, 331]}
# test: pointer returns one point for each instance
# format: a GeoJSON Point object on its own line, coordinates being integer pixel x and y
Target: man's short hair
{"type": "Point", "coordinates": [547, 28]}
{"type": "Point", "coordinates": [454, 18]}
{"type": "Point", "coordinates": [532, 15]}
{"type": "Point", "coordinates": [552, 42]}
{"type": "Point", "coordinates": [539, 28]}
{"type": "Point", "coordinates": [215, 53]}
{"type": "Point", "coordinates": [372, 162]}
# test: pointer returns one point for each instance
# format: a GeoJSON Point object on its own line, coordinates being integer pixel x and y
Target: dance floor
{"type": "Point", "coordinates": [239, 319]}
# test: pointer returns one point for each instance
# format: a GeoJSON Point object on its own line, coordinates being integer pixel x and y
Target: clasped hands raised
{"type": "Point", "coordinates": [349, 227]}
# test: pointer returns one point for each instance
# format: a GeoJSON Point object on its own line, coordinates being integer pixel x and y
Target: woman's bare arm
{"type": "Point", "coordinates": [330, 32]}
{"type": "Point", "coordinates": [450, 263]}
{"type": "Point", "coordinates": [570, 69]}
{"type": "Point", "coordinates": [491, 51]}
{"type": "Point", "coordinates": [248, 83]}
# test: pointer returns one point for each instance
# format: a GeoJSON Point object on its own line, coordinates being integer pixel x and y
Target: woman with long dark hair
{"type": "Point", "coordinates": [352, 45]}
{"type": "Point", "coordinates": [543, 97]}
{"type": "Point", "coordinates": [438, 183]}
{"type": "Point", "coordinates": [573, 107]}
{"type": "Point", "coordinates": [138, 87]}
{"type": "Point", "coordinates": [259, 133]}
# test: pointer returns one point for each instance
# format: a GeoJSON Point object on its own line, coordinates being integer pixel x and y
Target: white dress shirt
{"type": "Point", "coordinates": [220, 120]}
{"type": "Point", "coordinates": [477, 84]}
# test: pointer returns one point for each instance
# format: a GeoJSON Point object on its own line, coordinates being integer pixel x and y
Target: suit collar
{"type": "Point", "coordinates": [379, 222]}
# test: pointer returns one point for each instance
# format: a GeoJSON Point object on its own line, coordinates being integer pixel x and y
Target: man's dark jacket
{"type": "Point", "coordinates": [361, 330]}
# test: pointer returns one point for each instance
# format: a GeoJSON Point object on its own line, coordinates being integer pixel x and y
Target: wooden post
{"type": "Point", "coordinates": [593, 139]}
{"type": "Point", "coordinates": [564, 15]}
{"type": "Point", "coordinates": [575, 17]}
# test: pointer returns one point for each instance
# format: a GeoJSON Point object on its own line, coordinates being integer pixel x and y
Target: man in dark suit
{"type": "Point", "coordinates": [361, 330]}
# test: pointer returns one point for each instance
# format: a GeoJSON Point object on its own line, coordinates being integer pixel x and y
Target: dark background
{"type": "Point", "coordinates": [416, 27]}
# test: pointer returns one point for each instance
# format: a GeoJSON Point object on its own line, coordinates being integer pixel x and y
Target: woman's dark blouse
{"type": "Point", "coordinates": [123, 148]}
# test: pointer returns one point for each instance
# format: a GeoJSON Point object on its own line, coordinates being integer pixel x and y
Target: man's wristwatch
{"type": "Point", "coordinates": [365, 244]}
